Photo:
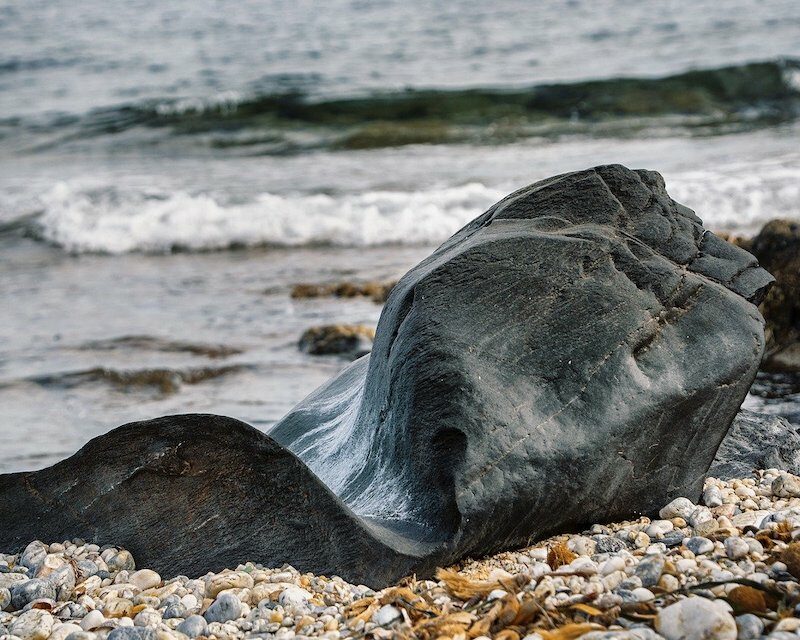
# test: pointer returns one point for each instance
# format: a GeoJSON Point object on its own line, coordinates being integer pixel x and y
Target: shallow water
{"type": "Point", "coordinates": [130, 130]}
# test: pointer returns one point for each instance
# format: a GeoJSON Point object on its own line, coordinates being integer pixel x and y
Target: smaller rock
{"type": "Point", "coordinates": [786, 485]}
{"type": "Point", "coordinates": [712, 497]}
{"type": "Point", "coordinates": [34, 624]}
{"type": "Point", "coordinates": [122, 560]}
{"type": "Point", "coordinates": [736, 548]}
{"type": "Point", "coordinates": [23, 593]}
{"type": "Point", "coordinates": [294, 597]}
{"type": "Point", "coordinates": [33, 556]}
{"type": "Point", "coordinates": [649, 570]}
{"type": "Point", "coordinates": [705, 528]}
{"type": "Point", "coordinates": [232, 580]}
{"type": "Point", "coordinates": [132, 633]}
{"type": "Point", "coordinates": [678, 508]}
{"type": "Point", "coordinates": [696, 618]}
{"type": "Point", "coordinates": [193, 626]}
{"type": "Point", "coordinates": [92, 620]}
{"type": "Point", "coordinates": [699, 546]}
{"type": "Point", "coordinates": [386, 615]}
{"type": "Point", "coordinates": [145, 579]}
{"type": "Point", "coordinates": [352, 341]}
{"type": "Point", "coordinates": [226, 607]}
{"type": "Point", "coordinates": [750, 627]}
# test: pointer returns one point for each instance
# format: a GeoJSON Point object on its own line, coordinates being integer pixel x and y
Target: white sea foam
{"type": "Point", "coordinates": [732, 197]}
{"type": "Point", "coordinates": [110, 221]}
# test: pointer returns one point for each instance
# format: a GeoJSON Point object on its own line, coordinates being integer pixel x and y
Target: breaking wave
{"type": "Point", "coordinates": [738, 197]}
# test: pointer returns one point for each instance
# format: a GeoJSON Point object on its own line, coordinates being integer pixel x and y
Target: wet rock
{"type": "Point", "coordinates": [777, 247]}
{"type": "Point", "coordinates": [377, 291]}
{"type": "Point", "coordinates": [350, 340]}
{"type": "Point", "coordinates": [757, 441]}
{"type": "Point", "coordinates": [500, 364]}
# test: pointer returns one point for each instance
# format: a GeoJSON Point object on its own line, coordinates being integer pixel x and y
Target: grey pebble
{"type": "Point", "coordinates": [23, 593]}
{"type": "Point", "coordinates": [608, 544]}
{"type": "Point", "coordinates": [226, 607]}
{"type": "Point", "coordinates": [750, 627]}
{"type": "Point", "coordinates": [649, 570]}
{"type": "Point", "coordinates": [174, 610]}
{"type": "Point", "coordinates": [193, 626]}
{"type": "Point", "coordinates": [132, 633]}
{"type": "Point", "coordinates": [699, 546]}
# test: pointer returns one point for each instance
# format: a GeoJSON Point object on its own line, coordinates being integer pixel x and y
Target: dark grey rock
{"type": "Point", "coordinates": [608, 544]}
{"type": "Point", "coordinates": [757, 441]}
{"type": "Point", "coordinates": [574, 355]}
{"type": "Point", "coordinates": [23, 593]}
{"type": "Point", "coordinates": [226, 607]}
{"type": "Point", "coordinates": [193, 626]}
{"type": "Point", "coordinates": [132, 633]}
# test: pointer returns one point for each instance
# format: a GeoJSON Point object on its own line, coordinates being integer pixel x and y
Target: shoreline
{"type": "Point", "coordinates": [731, 559]}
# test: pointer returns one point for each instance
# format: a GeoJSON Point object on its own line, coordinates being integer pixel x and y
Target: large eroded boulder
{"type": "Point", "coordinates": [575, 354]}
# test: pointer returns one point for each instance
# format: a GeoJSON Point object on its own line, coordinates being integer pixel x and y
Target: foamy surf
{"type": "Point", "coordinates": [737, 197]}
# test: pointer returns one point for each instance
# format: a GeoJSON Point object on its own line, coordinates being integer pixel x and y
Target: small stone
{"type": "Point", "coordinates": [712, 496]}
{"type": "Point", "coordinates": [122, 560]}
{"type": "Point", "coordinates": [193, 626]}
{"type": "Point", "coordinates": [736, 548]}
{"type": "Point", "coordinates": [23, 593]}
{"type": "Point", "coordinates": [696, 618]}
{"type": "Point", "coordinates": [92, 620]}
{"type": "Point", "coordinates": [33, 556]}
{"type": "Point", "coordinates": [34, 624]}
{"type": "Point", "coordinates": [118, 608]}
{"type": "Point", "coordinates": [750, 627]}
{"type": "Point", "coordinates": [649, 570]}
{"type": "Point", "coordinates": [705, 528]}
{"type": "Point", "coordinates": [147, 617]}
{"type": "Point", "coordinates": [176, 610]}
{"type": "Point", "coordinates": [608, 544]}
{"type": "Point", "coordinates": [132, 633]}
{"type": "Point", "coordinates": [145, 579]}
{"type": "Point", "coordinates": [226, 607]}
{"type": "Point", "coordinates": [5, 598]}
{"type": "Point", "coordinates": [61, 631]}
{"type": "Point", "coordinates": [678, 508]}
{"type": "Point", "coordinates": [788, 624]}
{"type": "Point", "coordinates": [699, 546]}
{"type": "Point", "coordinates": [641, 594]}
{"type": "Point", "coordinates": [786, 485]}
{"type": "Point", "coordinates": [386, 615]}
{"type": "Point", "coordinates": [294, 597]}
{"type": "Point", "coordinates": [224, 581]}
{"type": "Point", "coordinates": [82, 635]}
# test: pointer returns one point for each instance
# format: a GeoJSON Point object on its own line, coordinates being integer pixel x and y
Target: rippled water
{"type": "Point", "coordinates": [274, 142]}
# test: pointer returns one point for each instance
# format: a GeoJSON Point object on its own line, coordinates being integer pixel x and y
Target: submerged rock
{"type": "Point", "coordinates": [350, 340]}
{"type": "Point", "coordinates": [575, 354]}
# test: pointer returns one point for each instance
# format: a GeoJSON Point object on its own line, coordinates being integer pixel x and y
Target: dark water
{"type": "Point", "coordinates": [274, 142]}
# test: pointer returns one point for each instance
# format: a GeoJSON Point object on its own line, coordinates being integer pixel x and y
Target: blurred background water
{"type": "Point", "coordinates": [169, 169]}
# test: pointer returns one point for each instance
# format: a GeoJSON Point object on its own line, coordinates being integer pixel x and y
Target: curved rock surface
{"type": "Point", "coordinates": [575, 354]}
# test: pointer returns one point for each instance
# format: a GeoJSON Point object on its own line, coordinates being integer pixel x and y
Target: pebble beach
{"type": "Point", "coordinates": [727, 568]}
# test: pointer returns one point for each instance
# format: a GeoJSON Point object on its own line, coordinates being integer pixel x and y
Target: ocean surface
{"type": "Point", "coordinates": [169, 170]}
